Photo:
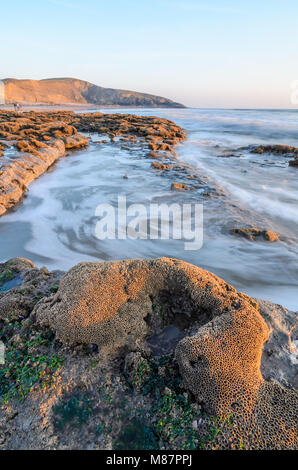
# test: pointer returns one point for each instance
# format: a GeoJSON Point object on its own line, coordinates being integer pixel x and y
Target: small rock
{"type": "Point", "coordinates": [253, 233]}
{"type": "Point", "coordinates": [179, 187]}
{"type": "Point", "coordinates": [161, 166]}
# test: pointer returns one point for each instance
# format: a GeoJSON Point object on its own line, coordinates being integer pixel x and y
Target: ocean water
{"type": "Point", "coordinates": [55, 223]}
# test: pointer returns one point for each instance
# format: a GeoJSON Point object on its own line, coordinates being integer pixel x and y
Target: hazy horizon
{"type": "Point", "coordinates": [223, 55]}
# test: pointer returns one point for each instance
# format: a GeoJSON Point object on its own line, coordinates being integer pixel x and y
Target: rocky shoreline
{"type": "Point", "coordinates": [82, 369]}
{"type": "Point", "coordinates": [31, 142]}
{"type": "Point", "coordinates": [140, 354]}
{"type": "Point", "coordinates": [36, 140]}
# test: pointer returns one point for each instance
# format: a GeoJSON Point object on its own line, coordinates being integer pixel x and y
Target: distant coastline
{"type": "Point", "coordinates": [71, 92]}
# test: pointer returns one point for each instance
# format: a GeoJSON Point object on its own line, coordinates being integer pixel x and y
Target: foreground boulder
{"type": "Point", "coordinates": [102, 327]}
{"type": "Point", "coordinates": [115, 304]}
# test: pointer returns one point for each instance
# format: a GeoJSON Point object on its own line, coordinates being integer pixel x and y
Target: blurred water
{"type": "Point", "coordinates": [55, 223]}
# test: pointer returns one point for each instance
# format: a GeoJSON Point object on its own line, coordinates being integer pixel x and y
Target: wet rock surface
{"type": "Point", "coordinates": [254, 233]}
{"type": "Point", "coordinates": [155, 354]}
{"type": "Point", "coordinates": [284, 150]}
{"type": "Point", "coordinates": [179, 187]}
{"type": "Point", "coordinates": [294, 162]}
{"type": "Point", "coordinates": [274, 149]}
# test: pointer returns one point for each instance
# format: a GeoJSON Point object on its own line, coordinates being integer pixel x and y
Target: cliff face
{"type": "Point", "coordinates": [73, 91]}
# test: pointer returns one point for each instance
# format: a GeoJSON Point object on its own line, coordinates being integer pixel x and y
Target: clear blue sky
{"type": "Point", "coordinates": [204, 53]}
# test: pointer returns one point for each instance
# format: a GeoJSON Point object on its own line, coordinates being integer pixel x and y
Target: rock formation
{"type": "Point", "coordinates": [284, 150]}
{"type": "Point", "coordinates": [110, 304]}
{"type": "Point", "coordinates": [40, 139]}
{"type": "Point", "coordinates": [254, 233]}
{"type": "Point", "coordinates": [111, 311]}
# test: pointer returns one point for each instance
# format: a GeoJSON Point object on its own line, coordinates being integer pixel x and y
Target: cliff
{"type": "Point", "coordinates": [72, 91]}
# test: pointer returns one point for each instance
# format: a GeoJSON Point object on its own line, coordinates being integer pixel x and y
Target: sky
{"type": "Point", "coordinates": [202, 53]}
